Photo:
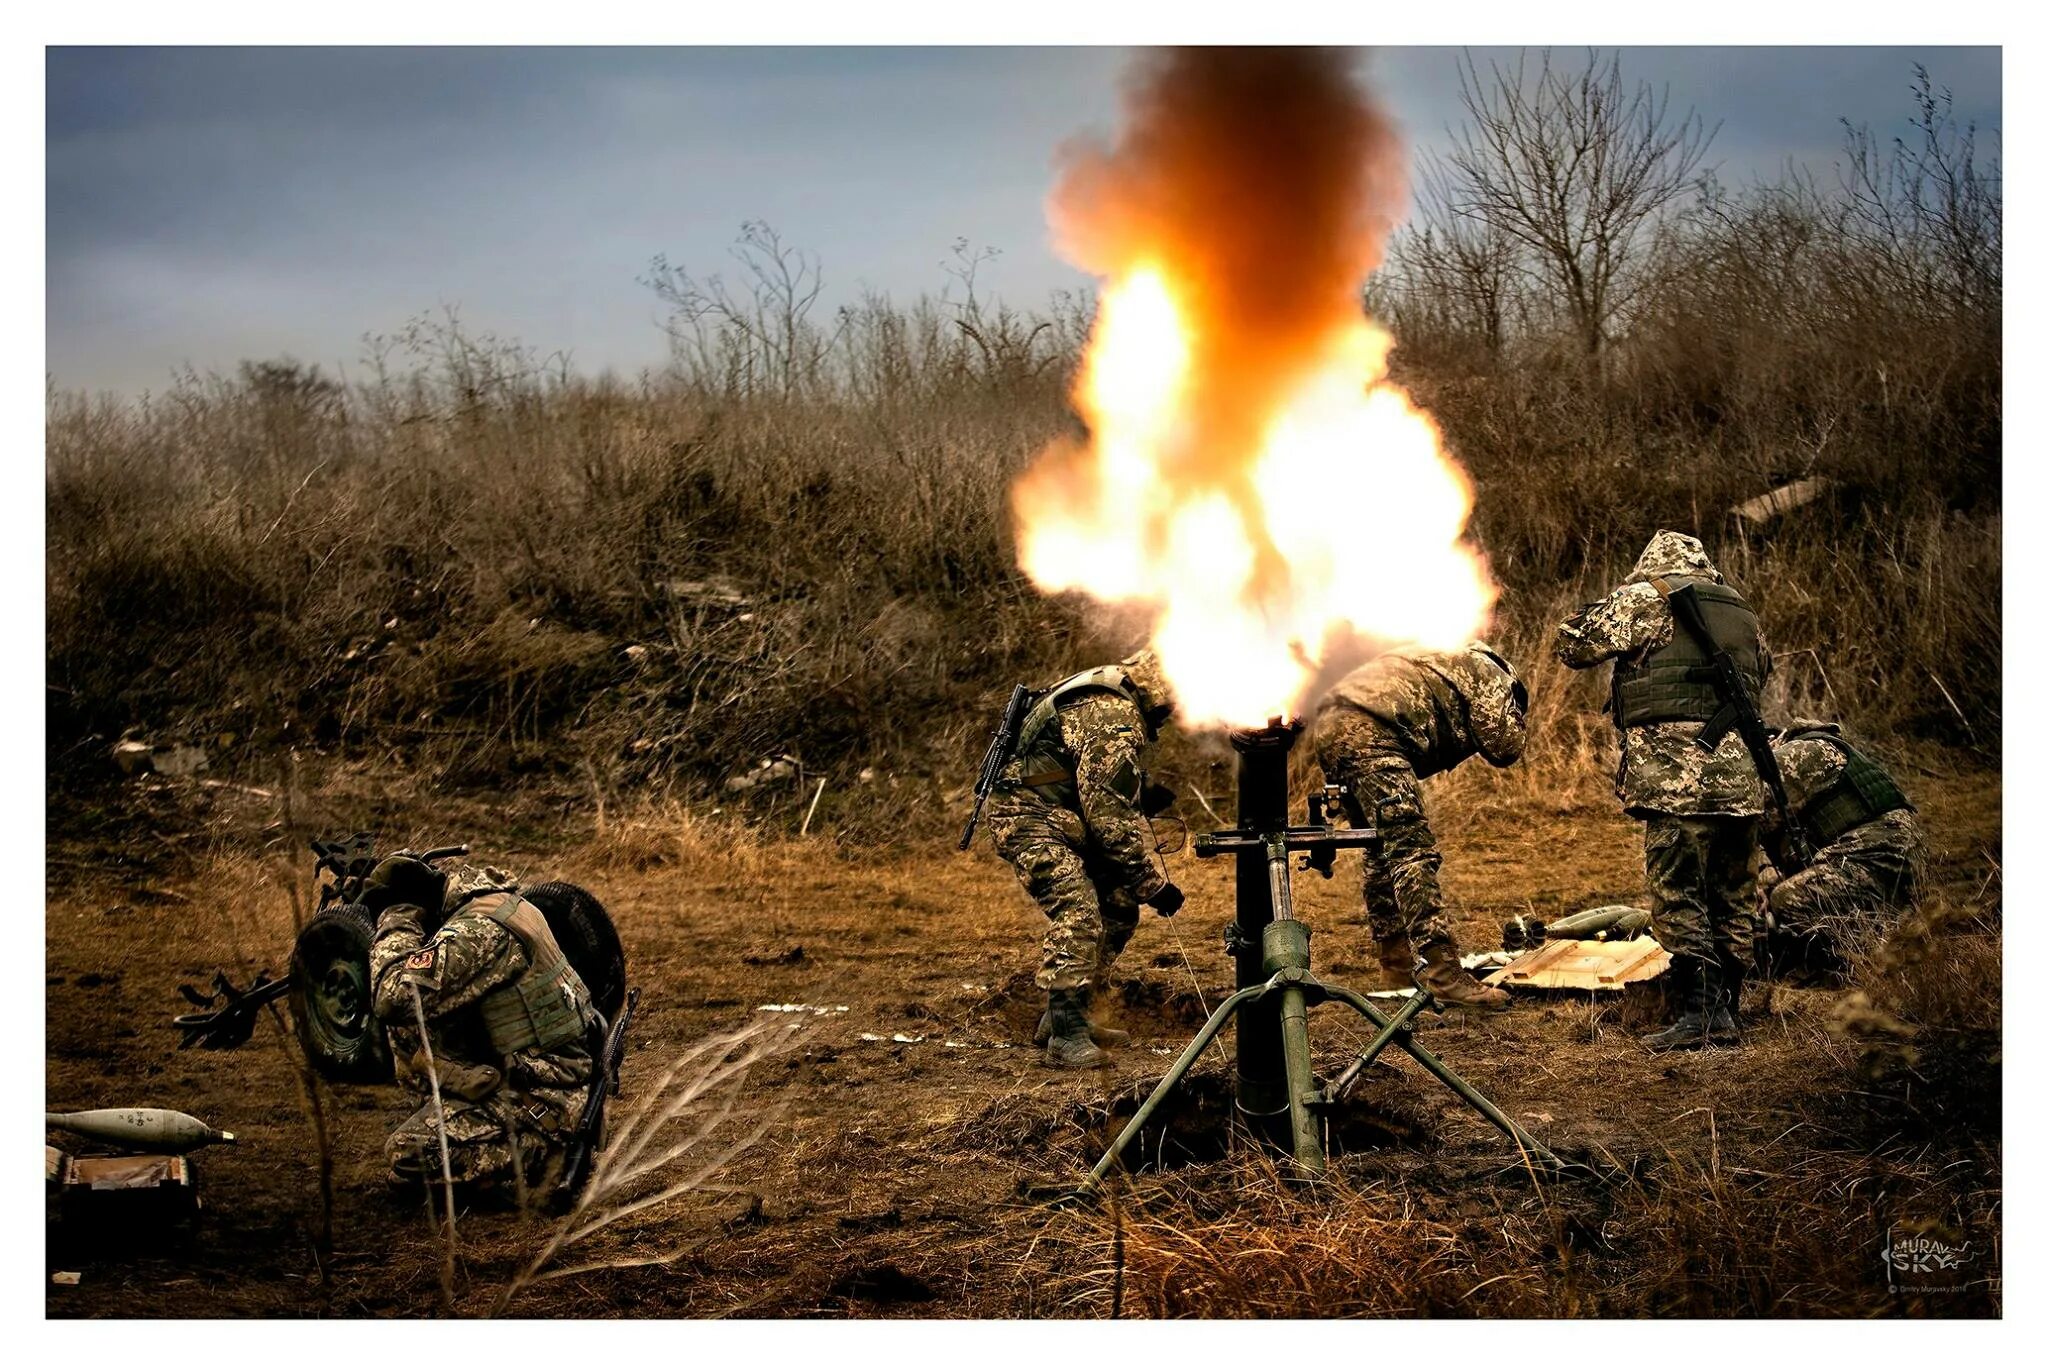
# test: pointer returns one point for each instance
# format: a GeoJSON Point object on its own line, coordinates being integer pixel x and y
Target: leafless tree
{"type": "Point", "coordinates": [1467, 267]}
{"type": "Point", "coordinates": [1932, 209]}
{"type": "Point", "coordinates": [755, 337]}
{"type": "Point", "coordinates": [1575, 168]}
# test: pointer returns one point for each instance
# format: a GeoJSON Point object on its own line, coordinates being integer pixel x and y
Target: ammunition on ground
{"type": "Point", "coordinates": [141, 1128]}
{"type": "Point", "coordinates": [1602, 922]}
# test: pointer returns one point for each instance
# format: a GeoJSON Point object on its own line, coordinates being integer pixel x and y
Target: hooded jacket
{"type": "Point", "coordinates": [1663, 771]}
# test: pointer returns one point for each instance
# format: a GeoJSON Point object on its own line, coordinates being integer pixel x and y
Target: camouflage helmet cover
{"type": "Point", "coordinates": [1673, 554]}
{"type": "Point", "coordinates": [1519, 688]}
{"type": "Point", "coordinates": [1155, 694]}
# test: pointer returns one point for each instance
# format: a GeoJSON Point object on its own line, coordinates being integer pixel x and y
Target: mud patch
{"type": "Point", "coordinates": [881, 1284]}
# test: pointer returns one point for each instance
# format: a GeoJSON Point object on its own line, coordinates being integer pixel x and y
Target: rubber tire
{"type": "Point", "coordinates": [330, 997]}
{"type": "Point", "coordinates": [588, 940]}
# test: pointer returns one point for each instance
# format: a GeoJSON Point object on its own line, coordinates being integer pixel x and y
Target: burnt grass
{"type": "Point", "coordinates": [905, 1177]}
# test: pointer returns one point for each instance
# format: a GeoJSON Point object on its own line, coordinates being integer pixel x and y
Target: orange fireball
{"type": "Point", "coordinates": [1251, 475]}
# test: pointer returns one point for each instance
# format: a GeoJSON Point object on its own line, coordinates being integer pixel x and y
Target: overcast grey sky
{"type": "Point", "coordinates": [208, 205]}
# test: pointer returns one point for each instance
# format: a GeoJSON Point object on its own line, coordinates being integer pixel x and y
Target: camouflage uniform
{"type": "Point", "coordinates": [1699, 808]}
{"type": "Point", "coordinates": [1405, 716]}
{"type": "Point", "coordinates": [1065, 813]}
{"type": "Point", "coordinates": [508, 1115]}
{"type": "Point", "coordinates": [1856, 882]}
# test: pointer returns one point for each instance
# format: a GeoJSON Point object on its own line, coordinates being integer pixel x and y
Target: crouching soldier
{"type": "Point", "coordinates": [1686, 774]}
{"type": "Point", "coordinates": [1866, 851]}
{"type": "Point", "coordinates": [511, 1035]}
{"type": "Point", "coordinates": [1069, 814]}
{"type": "Point", "coordinates": [1406, 715]}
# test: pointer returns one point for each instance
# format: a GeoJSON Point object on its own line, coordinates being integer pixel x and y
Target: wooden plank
{"type": "Point", "coordinates": [1584, 965]}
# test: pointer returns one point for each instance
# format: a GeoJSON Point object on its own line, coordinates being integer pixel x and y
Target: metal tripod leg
{"type": "Point", "coordinates": [1203, 1038]}
{"type": "Point", "coordinates": [1348, 1078]}
{"type": "Point", "coordinates": [1541, 1155]}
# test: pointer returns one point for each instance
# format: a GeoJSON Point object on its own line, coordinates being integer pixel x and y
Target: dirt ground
{"type": "Point", "coordinates": [907, 1118]}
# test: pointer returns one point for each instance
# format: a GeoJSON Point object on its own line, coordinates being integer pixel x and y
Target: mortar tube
{"type": "Point", "coordinates": [1262, 1100]}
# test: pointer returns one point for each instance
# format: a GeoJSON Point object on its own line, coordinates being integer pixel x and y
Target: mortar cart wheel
{"type": "Point", "coordinates": [331, 997]}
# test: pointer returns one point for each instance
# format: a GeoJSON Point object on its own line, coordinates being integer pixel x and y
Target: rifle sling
{"type": "Point", "coordinates": [1729, 717]}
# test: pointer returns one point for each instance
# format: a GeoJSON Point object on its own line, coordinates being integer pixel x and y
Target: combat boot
{"type": "Point", "coordinates": [1067, 1042]}
{"type": "Point", "coordinates": [1397, 961]}
{"type": "Point", "coordinates": [1444, 977]}
{"type": "Point", "coordinates": [1697, 986]}
{"type": "Point", "coordinates": [1727, 1021]}
{"type": "Point", "coordinates": [1101, 1033]}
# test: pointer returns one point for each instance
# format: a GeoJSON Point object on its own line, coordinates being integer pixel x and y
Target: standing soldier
{"type": "Point", "coordinates": [1069, 813]}
{"type": "Point", "coordinates": [1404, 716]}
{"type": "Point", "coordinates": [1867, 845]}
{"type": "Point", "coordinates": [512, 1032]}
{"type": "Point", "coordinates": [1686, 773]}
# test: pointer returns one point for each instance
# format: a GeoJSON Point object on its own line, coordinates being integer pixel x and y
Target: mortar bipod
{"type": "Point", "coordinates": [1284, 944]}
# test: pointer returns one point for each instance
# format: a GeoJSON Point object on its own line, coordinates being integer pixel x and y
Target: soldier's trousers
{"type": "Point", "coordinates": [1402, 893]}
{"type": "Point", "coordinates": [1703, 899]}
{"type": "Point", "coordinates": [1855, 888]}
{"type": "Point", "coordinates": [505, 1138]}
{"type": "Point", "coordinates": [1092, 914]}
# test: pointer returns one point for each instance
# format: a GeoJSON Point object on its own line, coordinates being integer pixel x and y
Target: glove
{"type": "Point", "coordinates": [1166, 900]}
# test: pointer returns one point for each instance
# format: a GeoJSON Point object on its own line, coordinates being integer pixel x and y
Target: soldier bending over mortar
{"type": "Point", "coordinates": [1406, 715]}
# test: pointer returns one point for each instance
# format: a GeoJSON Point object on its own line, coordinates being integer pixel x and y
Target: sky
{"type": "Point", "coordinates": [211, 205]}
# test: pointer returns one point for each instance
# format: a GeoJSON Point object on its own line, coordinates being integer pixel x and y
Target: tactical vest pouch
{"type": "Point", "coordinates": [548, 1006]}
{"type": "Point", "coordinates": [1673, 682]}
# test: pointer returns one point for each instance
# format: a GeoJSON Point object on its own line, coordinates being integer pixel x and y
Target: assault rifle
{"type": "Point", "coordinates": [999, 749]}
{"type": "Point", "coordinates": [590, 1124]}
{"type": "Point", "coordinates": [1739, 712]}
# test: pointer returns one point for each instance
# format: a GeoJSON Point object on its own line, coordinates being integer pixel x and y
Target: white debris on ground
{"type": "Point", "coordinates": [134, 757]}
{"type": "Point", "coordinates": [797, 1008]}
{"type": "Point", "coordinates": [780, 768]}
{"type": "Point", "coordinates": [920, 1038]}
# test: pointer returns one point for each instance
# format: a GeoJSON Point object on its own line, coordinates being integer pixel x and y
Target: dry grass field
{"type": "Point", "coordinates": [893, 1178]}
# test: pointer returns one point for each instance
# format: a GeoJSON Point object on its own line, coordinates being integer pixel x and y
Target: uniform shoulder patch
{"type": "Point", "coordinates": [420, 961]}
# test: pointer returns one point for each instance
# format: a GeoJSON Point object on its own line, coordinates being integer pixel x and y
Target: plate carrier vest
{"type": "Point", "coordinates": [1672, 682]}
{"type": "Point", "coordinates": [1862, 794]}
{"type": "Point", "coordinates": [1042, 761]}
{"type": "Point", "coordinates": [548, 1006]}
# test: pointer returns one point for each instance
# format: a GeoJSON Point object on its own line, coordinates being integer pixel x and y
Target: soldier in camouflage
{"type": "Point", "coordinates": [1068, 813]}
{"type": "Point", "coordinates": [1409, 714]}
{"type": "Point", "coordinates": [1699, 806]}
{"type": "Point", "coordinates": [1867, 852]}
{"type": "Point", "coordinates": [510, 1027]}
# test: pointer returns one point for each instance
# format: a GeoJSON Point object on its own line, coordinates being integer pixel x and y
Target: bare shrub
{"type": "Point", "coordinates": [681, 1134]}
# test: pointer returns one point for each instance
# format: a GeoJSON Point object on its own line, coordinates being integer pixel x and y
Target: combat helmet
{"type": "Point", "coordinates": [402, 880]}
{"type": "Point", "coordinates": [1516, 686]}
{"type": "Point", "coordinates": [1148, 680]}
{"type": "Point", "coordinates": [1673, 554]}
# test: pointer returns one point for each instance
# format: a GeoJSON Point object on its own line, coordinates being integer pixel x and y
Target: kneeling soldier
{"type": "Point", "coordinates": [511, 1028]}
{"type": "Point", "coordinates": [1068, 813]}
{"type": "Point", "coordinates": [1404, 716]}
{"type": "Point", "coordinates": [1867, 851]}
